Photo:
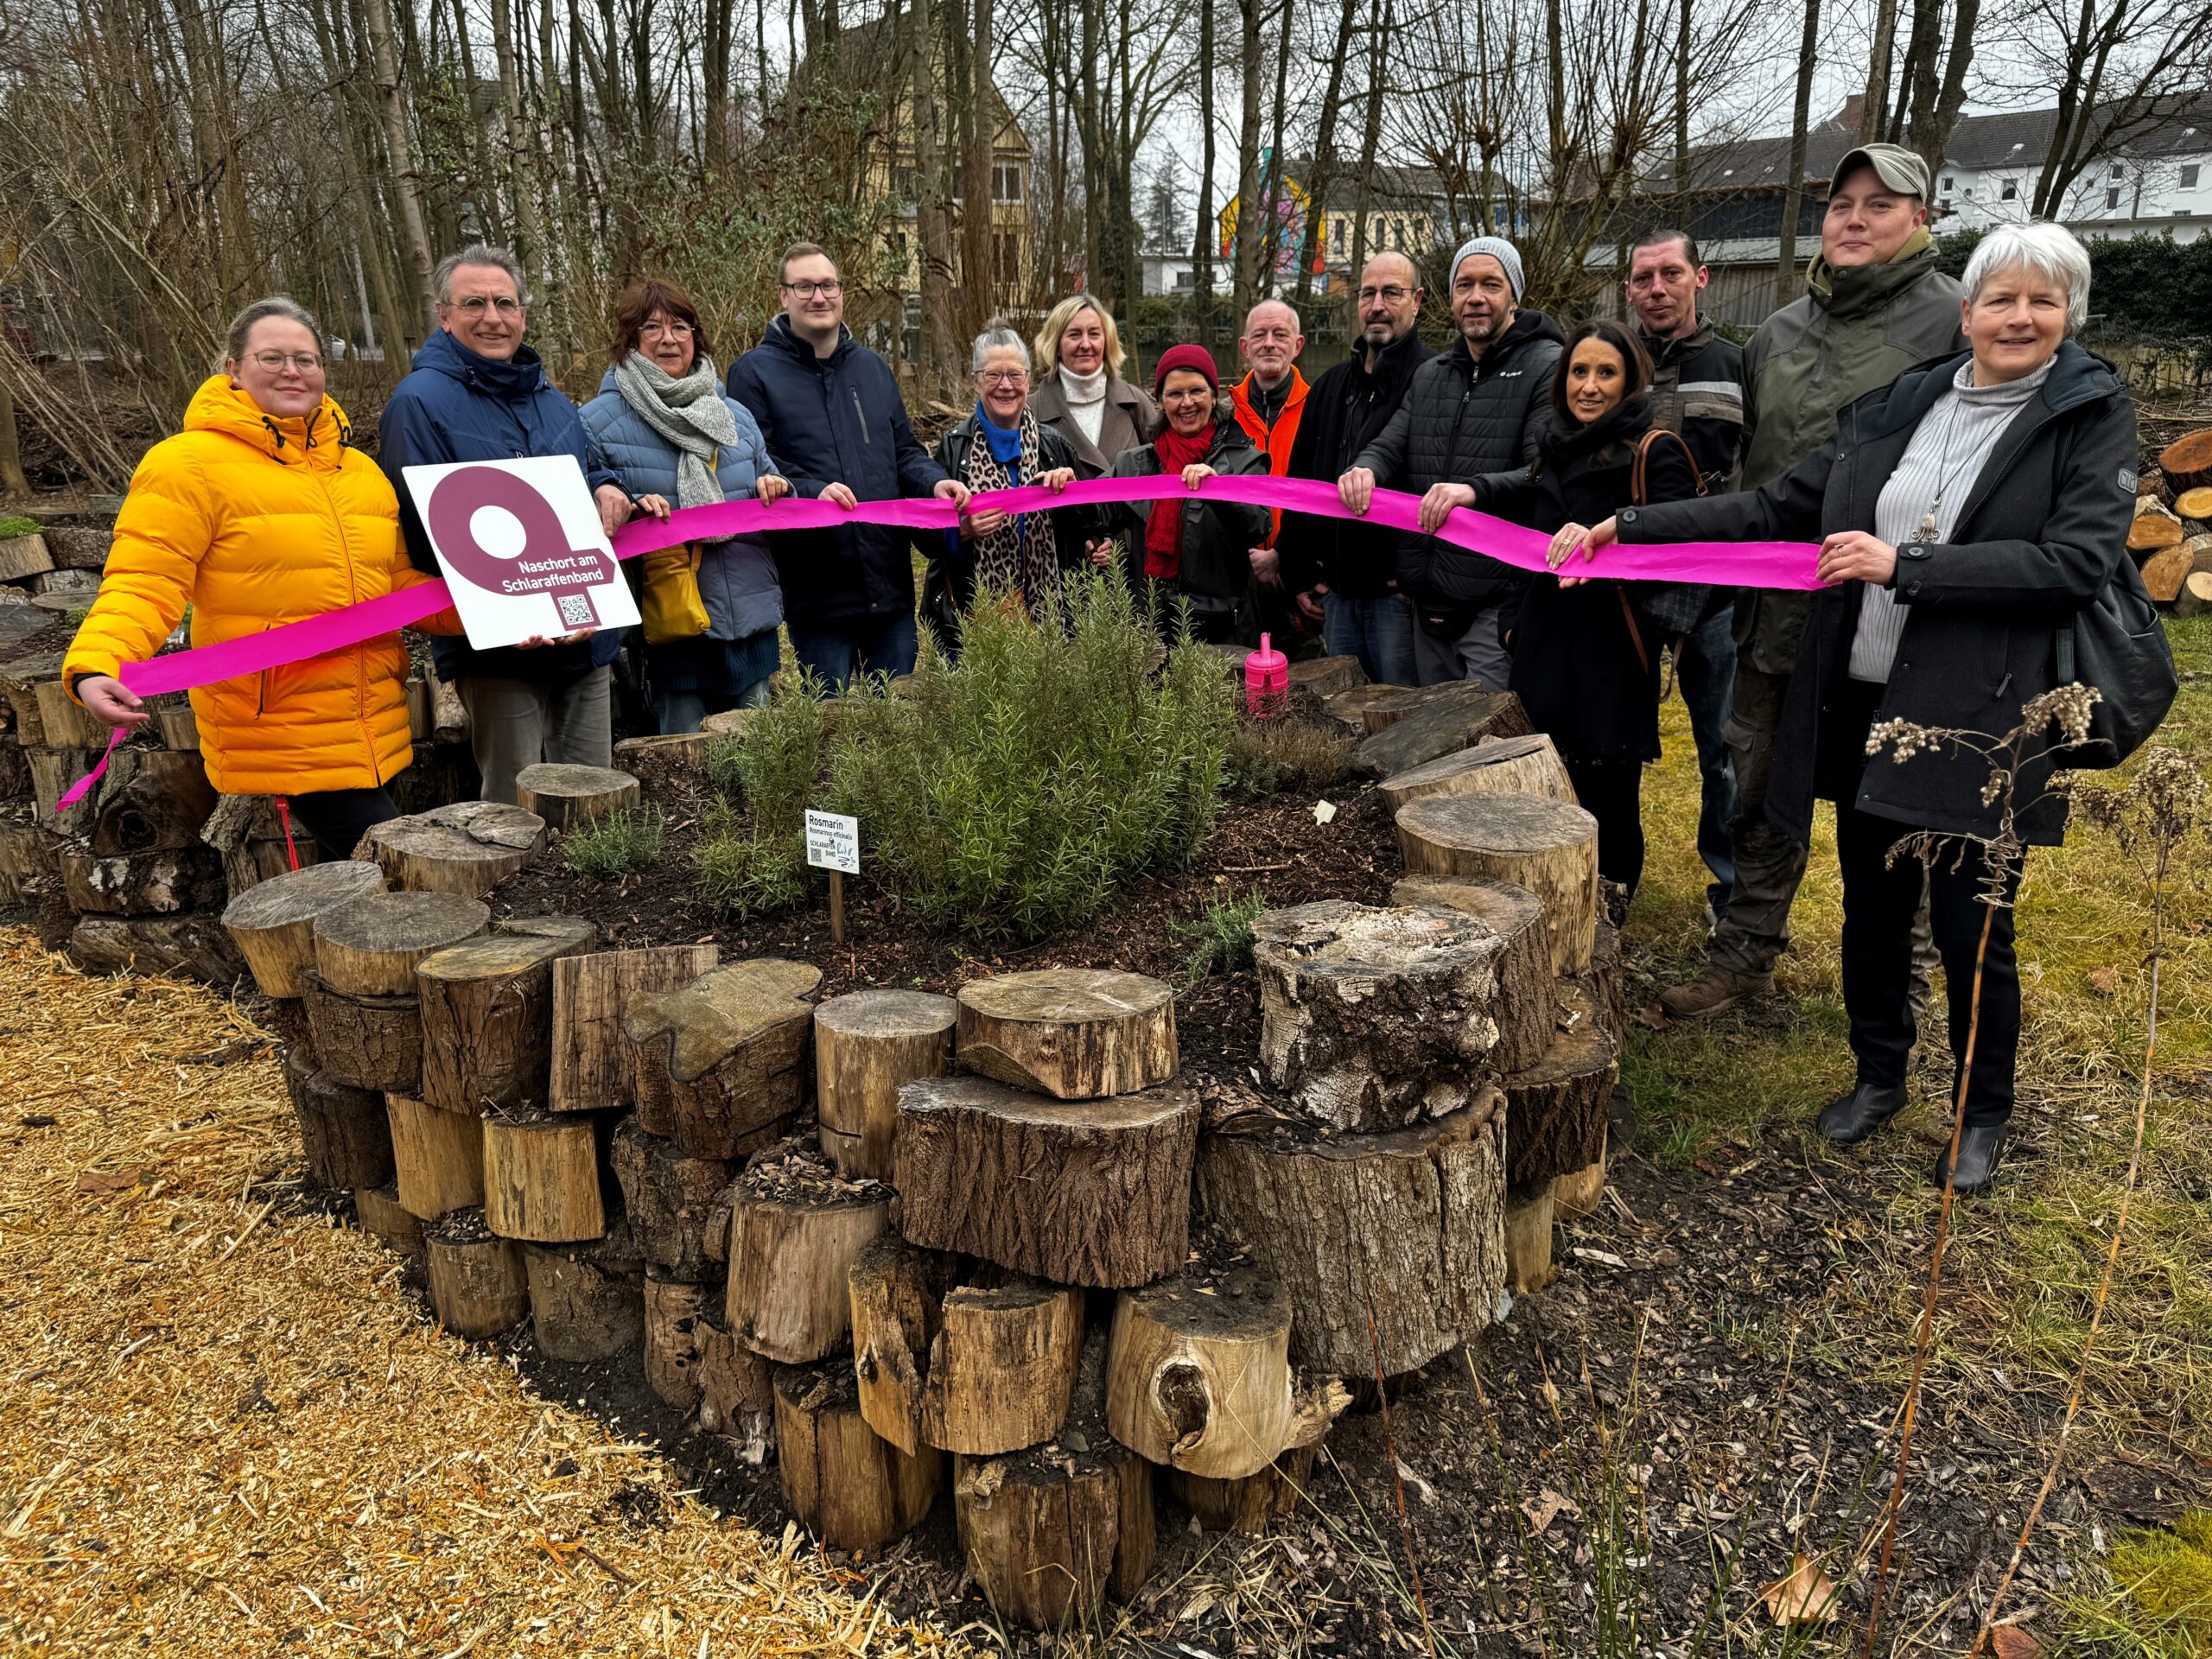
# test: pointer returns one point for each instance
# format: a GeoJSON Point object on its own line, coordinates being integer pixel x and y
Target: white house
{"type": "Point", "coordinates": [2157, 181]}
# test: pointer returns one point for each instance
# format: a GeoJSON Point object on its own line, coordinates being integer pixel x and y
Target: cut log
{"type": "Point", "coordinates": [163, 883]}
{"type": "Point", "coordinates": [1497, 766]}
{"type": "Point", "coordinates": [54, 773]}
{"type": "Point", "coordinates": [439, 1157]}
{"type": "Point", "coordinates": [1524, 976]}
{"type": "Point", "coordinates": [367, 1042]}
{"type": "Point", "coordinates": [23, 556]}
{"type": "Point", "coordinates": [20, 679]}
{"type": "Point", "coordinates": [1074, 1033]}
{"type": "Point", "coordinates": [591, 1067]}
{"type": "Point", "coordinates": [488, 1015]}
{"type": "Point", "coordinates": [1379, 714]}
{"type": "Point", "coordinates": [344, 1131]}
{"type": "Point", "coordinates": [2187, 462]}
{"type": "Point", "coordinates": [79, 547]}
{"type": "Point", "coordinates": [1348, 708]}
{"type": "Point", "coordinates": [1604, 987]}
{"type": "Point", "coordinates": [1580, 1191]}
{"type": "Point", "coordinates": [1324, 676]}
{"type": "Point", "coordinates": [728, 722]}
{"type": "Point", "coordinates": [192, 946]}
{"type": "Point", "coordinates": [1548, 847]}
{"type": "Point", "coordinates": [1078, 1192]}
{"type": "Point", "coordinates": [737, 1395]}
{"type": "Point", "coordinates": [467, 849]}
{"type": "Point", "coordinates": [273, 921]}
{"type": "Point", "coordinates": [672, 1311]}
{"type": "Point", "coordinates": [387, 1220]}
{"type": "Point", "coordinates": [866, 1044]}
{"type": "Point", "coordinates": [2196, 595]}
{"type": "Point", "coordinates": [1555, 1111]}
{"type": "Point", "coordinates": [67, 724]}
{"type": "Point", "coordinates": [1198, 1375]}
{"type": "Point", "coordinates": [477, 1283]}
{"type": "Point", "coordinates": [668, 1199]}
{"type": "Point", "coordinates": [1529, 1241]}
{"type": "Point", "coordinates": [2194, 509]}
{"type": "Point", "coordinates": [732, 1047]}
{"type": "Point", "coordinates": [369, 947]}
{"type": "Point", "coordinates": [541, 1180]}
{"type": "Point", "coordinates": [569, 798]}
{"type": "Point", "coordinates": [161, 805]}
{"type": "Point", "coordinates": [796, 1228]}
{"type": "Point", "coordinates": [847, 1485]}
{"type": "Point", "coordinates": [1049, 1532]}
{"type": "Point", "coordinates": [578, 1311]}
{"type": "Point", "coordinates": [1250, 1504]}
{"type": "Point", "coordinates": [2166, 570]}
{"type": "Point", "coordinates": [179, 726]}
{"type": "Point", "coordinates": [659, 762]}
{"type": "Point", "coordinates": [1370, 1018]}
{"type": "Point", "coordinates": [1450, 717]}
{"type": "Point", "coordinates": [978, 1362]}
{"type": "Point", "coordinates": [422, 718]}
{"type": "Point", "coordinates": [1410, 1223]}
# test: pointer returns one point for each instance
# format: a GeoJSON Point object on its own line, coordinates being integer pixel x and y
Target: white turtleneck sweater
{"type": "Point", "coordinates": [1086, 396]}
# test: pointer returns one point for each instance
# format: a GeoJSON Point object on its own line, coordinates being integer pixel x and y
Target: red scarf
{"type": "Point", "coordinates": [1163, 532]}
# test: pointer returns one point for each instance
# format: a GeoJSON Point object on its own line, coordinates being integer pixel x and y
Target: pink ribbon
{"type": "Point", "coordinates": [1735, 564]}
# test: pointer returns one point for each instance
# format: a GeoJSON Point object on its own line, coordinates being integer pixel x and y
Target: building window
{"type": "Point", "coordinates": [2189, 176]}
{"type": "Point", "coordinates": [1005, 182]}
{"type": "Point", "coordinates": [1948, 183]}
{"type": "Point", "coordinates": [1009, 261]}
{"type": "Point", "coordinates": [2011, 192]}
{"type": "Point", "coordinates": [2119, 171]}
{"type": "Point", "coordinates": [1187, 279]}
{"type": "Point", "coordinates": [2112, 200]}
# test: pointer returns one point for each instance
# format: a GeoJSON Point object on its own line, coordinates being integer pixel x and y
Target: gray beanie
{"type": "Point", "coordinates": [1498, 249]}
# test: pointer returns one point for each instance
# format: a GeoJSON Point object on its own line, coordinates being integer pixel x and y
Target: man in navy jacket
{"type": "Point", "coordinates": [836, 426]}
{"type": "Point", "coordinates": [477, 393]}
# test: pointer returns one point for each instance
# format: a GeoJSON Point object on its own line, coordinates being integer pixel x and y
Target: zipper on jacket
{"type": "Point", "coordinates": [859, 413]}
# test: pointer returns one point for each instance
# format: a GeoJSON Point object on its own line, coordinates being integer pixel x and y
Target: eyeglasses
{"type": "Point", "coordinates": [275, 362]}
{"type": "Point", "coordinates": [829, 290]}
{"type": "Point", "coordinates": [665, 330]}
{"type": "Point", "coordinates": [1003, 377]}
{"type": "Point", "coordinates": [1391, 295]}
{"type": "Point", "coordinates": [476, 305]}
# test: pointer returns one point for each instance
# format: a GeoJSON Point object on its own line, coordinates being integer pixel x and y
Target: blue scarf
{"type": "Point", "coordinates": [1005, 443]}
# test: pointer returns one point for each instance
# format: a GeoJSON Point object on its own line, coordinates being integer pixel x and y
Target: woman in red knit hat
{"type": "Point", "coordinates": [1187, 554]}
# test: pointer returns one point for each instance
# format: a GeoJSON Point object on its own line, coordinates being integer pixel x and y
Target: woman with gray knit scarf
{"type": "Point", "coordinates": [662, 424]}
{"type": "Point", "coordinates": [1968, 513]}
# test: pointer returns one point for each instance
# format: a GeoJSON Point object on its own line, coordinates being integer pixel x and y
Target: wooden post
{"type": "Point", "coordinates": [1075, 1034]}
{"type": "Point", "coordinates": [1529, 1241]}
{"type": "Point", "coordinates": [836, 906]}
{"type": "Point", "coordinates": [866, 1044]}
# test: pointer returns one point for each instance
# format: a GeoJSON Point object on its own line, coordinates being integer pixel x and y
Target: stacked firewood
{"type": "Point", "coordinates": [2171, 536]}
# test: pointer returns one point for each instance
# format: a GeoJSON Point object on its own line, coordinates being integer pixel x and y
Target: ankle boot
{"type": "Point", "coordinates": [1980, 1148]}
{"type": "Point", "coordinates": [1852, 1118]}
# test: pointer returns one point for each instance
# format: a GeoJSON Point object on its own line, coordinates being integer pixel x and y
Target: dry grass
{"type": "Point", "coordinates": [223, 1430]}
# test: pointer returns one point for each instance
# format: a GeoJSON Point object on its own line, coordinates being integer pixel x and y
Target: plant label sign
{"type": "Point", "coordinates": [833, 842]}
{"type": "Point", "coordinates": [522, 549]}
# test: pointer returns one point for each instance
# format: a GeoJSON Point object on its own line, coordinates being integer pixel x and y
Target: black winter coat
{"type": "Point", "coordinates": [1218, 537]}
{"type": "Point", "coordinates": [1346, 410]}
{"type": "Point", "coordinates": [949, 585]}
{"type": "Point", "coordinates": [837, 419]}
{"type": "Point", "coordinates": [1462, 417]}
{"type": "Point", "coordinates": [1576, 667]}
{"type": "Point", "coordinates": [2044, 529]}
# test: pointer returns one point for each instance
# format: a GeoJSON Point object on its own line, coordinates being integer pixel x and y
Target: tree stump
{"type": "Point", "coordinates": [978, 1362]}
{"type": "Point", "coordinates": [1076, 1192]}
{"type": "Point", "coordinates": [469, 848]}
{"type": "Point", "coordinates": [1348, 708]}
{"type": "Point", "coordinates": [737, 1396]}
{"type": "Point", "coordinates": [438, 1158]}
{"type": "Point", "coordinates": [1371, 1018]}
{"type": "Point", "coordinates": [847, 1485]}
{"type": "Point", "coordinates": [1250, 1504]}
{"type": "Point", "coordinates": [1324, 676]}
{"type": "Point", "coordinates": [477, 1283]}
{"type": "Point", "coordinates": [1497, 766]}
{"type": "Point", "coordinates": [366, 1042]}
{"type": "Point", "coordinates": [488, 1015]}
{"type": "Point", "coordinates": [1548, 847]}
{"type": "Point", "coordinates": [161, 806]}
{"type": "Point", "coordinates": [796, 1228]}
{"type": "Point", "coordinates": [571, 798]}
{"type": "Point", "coordinates": [369, 946]}
{"type": "Point", "coordinates": [732, 1047]}
{"type": "Point", "coordinates": [67, 724]}
{"type": "Point", "coordinates": [23, 556]}
{"type": "Point", "coordinates": [1524, 974]}
{"type": "Point", "coordinates": [1555, 1111]}
{"type": "Point", "coordinates": [1580, 1191]}
{"type": "Point", "coordinates": [592, 1069]}
{"type": "Point", "coordinates": [1529, 1241]}
{"type": "Point", "coordinates": [2196, 595]}
{"type": "Point", "coordinates": [673, 1310]}
{"type": "Point", "coordinates": [180, 728]}
{"type": "Point", "coordinates": [1411, 1223]}
{"type": "Point", "coordinates": [580, 1311]}
{"type": "Point", "coordinates": [662, 759]}
{"type": "Point", "coordinates": [2187, 462]}
{"type": "Point", "coordinates": [668, 1199]}
{"type": "Point", "coordinates": [2166, 570]}
{"type": "Point", "coordinates": [865, 1044]}
{"type": "Point", "coordinates": [1449, 717]}
{"type": "Point", "coordinates": [1604, 988]}
{"type": "Point", "coordinates": [1198, 1375]}
{"type": "Point", "coordinates": [1074, 1033]}
{"type": "Point", "coordinates": [387, 1220]}
{"type": "Point", "coordinates": [159, 883]}
{"type": "Point", "coordinates": [541, 1180]}
{"type": "Point", "coordinates": [273, 922]}
{"type": "Point", "coordinates": [343, 1130]}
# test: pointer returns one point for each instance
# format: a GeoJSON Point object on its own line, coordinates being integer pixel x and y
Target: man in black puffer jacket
{"type": "Point", "coordinates": [1476, 409]}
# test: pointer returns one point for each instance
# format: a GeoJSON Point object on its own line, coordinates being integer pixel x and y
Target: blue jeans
{"type": "Point", "coordinates": [836, 651]}
{"type": "Point", "coordinates": [1705, 672]}
{"type": "Point", "coordinates": [1377, 631]}
{"type": "Point", "coordinates": [682, 711]}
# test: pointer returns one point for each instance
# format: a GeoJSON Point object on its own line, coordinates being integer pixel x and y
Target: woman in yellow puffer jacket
{"type": "Point", "coordinates": [257, 514]}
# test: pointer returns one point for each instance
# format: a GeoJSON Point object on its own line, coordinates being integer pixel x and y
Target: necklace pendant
{"type": "Point", "coordinates": [1927, 531]}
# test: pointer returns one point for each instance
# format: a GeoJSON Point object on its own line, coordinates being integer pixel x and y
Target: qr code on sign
{"type": "Point", "coordinates": [576, 610]}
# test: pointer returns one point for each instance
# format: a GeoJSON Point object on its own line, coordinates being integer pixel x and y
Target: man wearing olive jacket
{"type": "Point", "coordinates": [1874, 306]}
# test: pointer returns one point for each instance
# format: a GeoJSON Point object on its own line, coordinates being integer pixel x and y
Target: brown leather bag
{"type": "Point", "coordinates": [1638, 489]}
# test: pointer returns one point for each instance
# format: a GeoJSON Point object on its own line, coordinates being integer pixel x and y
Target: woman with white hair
{"type": "Point", "coordinates": [1966, 513]}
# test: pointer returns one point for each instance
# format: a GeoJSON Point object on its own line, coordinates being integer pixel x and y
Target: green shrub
{"type": "Point", "coordinates": [12, 525]}
{"type": "Point", "coordinates": [749, 863]}
{"type": "Point", "coordinates": [1267, 755]}
{"type": "Point", "coordinates": [1013, 794]}
{"type": "Point", "coordinates": [736, 870]}
{"type": "Point", "coordinates": [624, 841]}
{"type": "Point", "coordinates": [1222, 937]}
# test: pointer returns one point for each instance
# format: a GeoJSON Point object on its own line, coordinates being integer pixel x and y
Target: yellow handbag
{"type": "Point", "coordinates": [673, 608]}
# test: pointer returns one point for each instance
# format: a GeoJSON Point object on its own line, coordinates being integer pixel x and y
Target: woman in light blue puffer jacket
{"type": "Point", "coordinates": [662, 424]}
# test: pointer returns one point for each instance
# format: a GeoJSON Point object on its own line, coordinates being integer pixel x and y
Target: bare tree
{"type": "Point", "coordinates": [2122, 69]}
{"type": "Point", "coordinates": [1800, 110]}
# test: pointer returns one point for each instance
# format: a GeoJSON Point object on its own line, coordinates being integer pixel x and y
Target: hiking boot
{"type": "Point", "coordinates": [1712, 991]}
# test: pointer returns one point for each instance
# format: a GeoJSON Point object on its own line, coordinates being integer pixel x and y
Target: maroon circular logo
{"type": "Point", "coordinates": [547, 563]}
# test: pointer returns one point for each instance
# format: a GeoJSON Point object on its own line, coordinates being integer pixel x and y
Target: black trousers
{"type": "Point", "coordinates": [1880, 900]}
{"type": "Point", "coordinates": [1611, 791]}
{"type": "Point", "coordinates": [338, 818]}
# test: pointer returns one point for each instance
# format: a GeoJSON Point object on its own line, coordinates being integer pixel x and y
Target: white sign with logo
{"type": "Point", "coordinates": [833, 842]}
{"type": "Point", "coordinates": [522, 549]}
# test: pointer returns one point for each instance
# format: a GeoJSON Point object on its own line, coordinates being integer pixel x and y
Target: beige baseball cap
{"type": "Point", "coordinates": [1896, 166]}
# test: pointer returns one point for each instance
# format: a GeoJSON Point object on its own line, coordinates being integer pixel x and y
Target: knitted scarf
{"type": "Point", "coordinates": [1163, 532]}
{"type": "Point", "coordinates": [689, 413]}
{"type": "Point", "coordinates": [1021, 555]}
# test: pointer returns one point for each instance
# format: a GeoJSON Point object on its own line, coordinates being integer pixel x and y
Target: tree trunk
{"type": "Point", "coordinates": [1548, 847]}
{"type": "Point", "coordinates": [13, 479]}
{"type": "Point", "coordinates": [487, 1016]}
{"type": "Point", "coordinates": [343, 1130]}
{"type": "Point", "coordinates": [1251, 234]}
{"type": "Point", "coordinates": [795, 1232]}
{"type": "Point", "coordinates": [1071, 1032]}
{"type": "Point", "coordinates": [1800, 115]}
{"type": "Point", "coordinates": [1555, 1111]}
{"type": "Point", "coordinates": [592, 1068]}
{"type": "Point", "coordinates": [1497, 766]}
{"type": "Point", "coordinates": [541, 1180]}
{"type": "Point", "coordinates": [1516, 916]}
{"type": "Point", "coordinates": [364, 1041]}
{"type": "Point", "coordinates": [867, 1045]}
{"type": "Point", "coordinates": [980, 274]}
{"type": "Point", "coordinates": [469, 848]}
{"type": "Point", "coordinates": [522, 158]}
{"type": "Point", "coordinates": [1202, 242]}
{"type": "Point", "coordinates": [932, 215]}
{"type": "Point", "coordinates": [406, 180]}
{"type": "Point", "coordinates": [847, 1485]}
{"type": "Point", "coordinates": [570, 797]}
{"type": "Point", "coordinates": [477, 1282]}
{"type": "Point", "coordinates": [1271, 259]}
{"type": "Point", "coordinates": [1314, 244]}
